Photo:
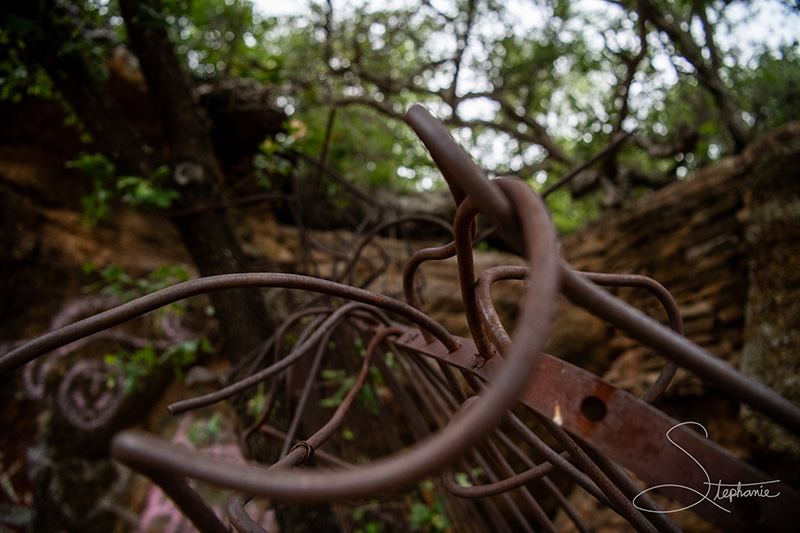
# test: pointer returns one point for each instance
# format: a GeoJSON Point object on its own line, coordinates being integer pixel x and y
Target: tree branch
{"type": "Point", "coordinates": [686, 143]}
{"type": "Point", "coordinates": [188, 129]}
{"type": "Point", "coordinates": [707, 75]}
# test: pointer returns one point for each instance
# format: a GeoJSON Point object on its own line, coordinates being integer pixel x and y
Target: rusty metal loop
{"type": "Point", "coordinates": [438, 253]}
{"type": "Point", "coordinates": [673, 315]}
{"type": "Point", "coordinates": [463, 227]}
{"type": "Point", "coordinates": [135, 447]}
{"type": "Point", "coordinates": [507, 272]}
{"type": "Point", "coordinates": [483, 298]}
{"type": "Point", "coordinates": [309, 450]}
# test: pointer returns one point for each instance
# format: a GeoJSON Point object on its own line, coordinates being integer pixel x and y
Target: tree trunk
{"type": "Point", "coordinates": [208, 235]}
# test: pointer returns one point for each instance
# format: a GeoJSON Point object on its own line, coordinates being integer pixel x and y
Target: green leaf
{"type": "Point", "coordinates": [463, 479]}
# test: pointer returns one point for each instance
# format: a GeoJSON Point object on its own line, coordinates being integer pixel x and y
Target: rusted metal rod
{"type": "Point", "coordinates": [682, 351]}
{"type": "Point", "coordinates": [196, 287]}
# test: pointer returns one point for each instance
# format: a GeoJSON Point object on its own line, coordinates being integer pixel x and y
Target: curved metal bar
{"type": "Point", "coordinates": [238, 517]}
{"type": "Point", "coordinates": [386, 225]}
{"type": "Point", "coordinates": [187, 499]}
{"type": "Point", "coordinates": [256, 280]}
{"type": "Point", "coordinates": [534, 473]}
{"type": "Point", "coordinates": [623, 481]}
{"type": "Point", "coordinates": [513, 189]}
{"type": "Point", "coordinates": [307, 332]}
{"type": "Point", "coordinates": [278, 366]}
{"type": "Point", "coordinates": [463, 232]}
{"type": "Point", "coordinates": [438, 253]}
{"type": "Point", "coordinates": [237, 514]}
{"type": "Point", "coordinates": [322, 455]}
{"type": "Point", "coordinates": [522, 492]}
{"type": "Point", "coordinates": [483, 298]}
{"type": "Point", "coordinates": [544, 481]}
{"type": "Point", "coordinates": [560, 461]}
{"type": "Point", "coordinates": [321, 343]}
{"type": "Point", "coordinates": [538, 236]}
{"type": "Point", "coordinates": [463, 176]}
{"type": "Point", "coordinates": [410, 269]}
{"type": "Point", "coordinates": [673, 315]}
{"type": "Point", "coordinates": [619, 501]}
{"type": "Point", "coordinates": [297, 456]}
{"type": "Point", "coordinates": [293, 318]}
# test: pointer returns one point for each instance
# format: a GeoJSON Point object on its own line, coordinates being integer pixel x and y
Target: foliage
{"type": "Point", "coordinates": [531, 88]}
{"type": "Point", "coordinates": [369, 526]}
{"type": "Point", "coordinates": [769, 89]}
{"type": "Point", "coordinates": [136, 191]}
{"type": "Point", "coordinates": [116, 282]}
{"type": "Point", "coordinates": [145, 361]}
{"type": "Point", "coordinates": [218, 38]}
{"type": "Point", "coordinates": [568, 214]}
{"type": "Point", "coordinates": [429, 516]}
{"type": "Point", "coordinates": [272, 157]}
{"type": "Point", "coordinates": [338, 377]}
{"type": "Point", "coordinates": [16, 78]}
{"type": "Point", "coordinates": [257, 402]}
{"type": "Point", "coordinates": [206, 430]}
{"type": "Point", "coordinates": [106, 185]}
{"type": "Point", "coordinates": [532, 95]}
{"type": "Point", "coordinates": [100, 171]}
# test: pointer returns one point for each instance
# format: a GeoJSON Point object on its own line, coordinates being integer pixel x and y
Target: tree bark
{"type": "Point", "coordinates": [208, 236]}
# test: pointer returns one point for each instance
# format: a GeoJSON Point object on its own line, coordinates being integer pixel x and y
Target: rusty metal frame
{"type": "Point", "coordinates": [471, 389]}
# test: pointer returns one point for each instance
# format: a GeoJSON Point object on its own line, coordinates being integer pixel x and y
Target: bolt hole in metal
{"type": "Point", "coordinates": [593, 409]}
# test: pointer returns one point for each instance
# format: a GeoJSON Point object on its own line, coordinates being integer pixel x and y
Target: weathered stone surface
{"type": "Point", "coordinates": [772, 330]}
